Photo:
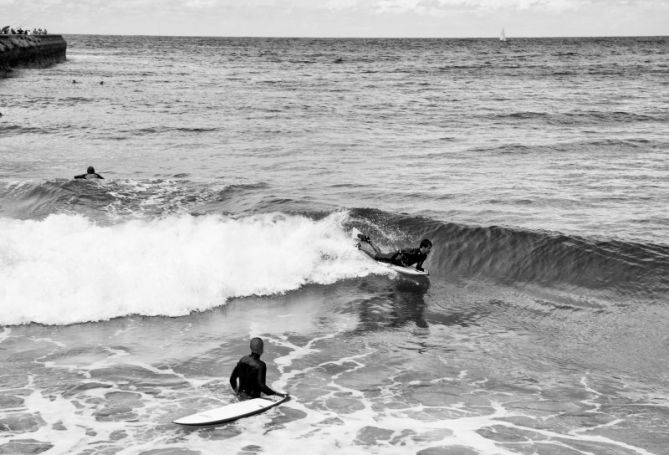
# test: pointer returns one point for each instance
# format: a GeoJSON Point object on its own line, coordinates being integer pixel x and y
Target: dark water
{"type": "Point", "coordinates": [235, 170]}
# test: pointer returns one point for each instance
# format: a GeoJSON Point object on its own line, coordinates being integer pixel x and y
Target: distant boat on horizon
{"type": "Point", "coordinates": [502, 36]}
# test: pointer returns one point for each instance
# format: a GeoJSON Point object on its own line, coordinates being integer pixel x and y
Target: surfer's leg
{"type": "Point", "coordinates": [384, 257]}
{"type": "Point", "coordinates": [376, 250]}
{"type": "Point", "coordinates": [363, 237]}
{"type": "Point", "coordinates": [366, 248]}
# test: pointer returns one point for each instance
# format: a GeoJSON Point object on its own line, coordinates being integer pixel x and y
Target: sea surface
{"type": "Point", "coordinates": [234, 172]}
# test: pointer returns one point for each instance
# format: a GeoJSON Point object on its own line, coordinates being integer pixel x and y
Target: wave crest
{"type": "Point", "coordinates": [66, 269]}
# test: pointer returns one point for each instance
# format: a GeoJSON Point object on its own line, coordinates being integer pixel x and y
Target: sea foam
{"type": "Point", "coordinates": [67, 269]}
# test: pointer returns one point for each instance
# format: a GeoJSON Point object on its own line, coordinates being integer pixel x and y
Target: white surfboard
{"type": "Point", "coordinates": [230, 412]}
{"type": "Point", "coordinates": [405, 270]}
{"type": "Point", "coordinates": [396, 268]}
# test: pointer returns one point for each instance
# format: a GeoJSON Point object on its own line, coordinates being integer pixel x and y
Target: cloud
{"type": "Point", "coordinates": [378, 6]}
{"type": "Point", "coordinates": [427, 6]}
{"type": "Point", "coordinates": [342, 17]}
{"type": "Point", "coordinates": [342, 4]}
{"type": "Point", "coordinates": [400, 6]}
{"type": "Point", "coordinates": [199, 3]}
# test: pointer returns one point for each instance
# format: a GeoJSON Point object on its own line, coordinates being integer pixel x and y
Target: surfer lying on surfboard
{"type": "Point", "coordinates": [251, 371]}
{"type": "Point", "coordinates": [403, 258]}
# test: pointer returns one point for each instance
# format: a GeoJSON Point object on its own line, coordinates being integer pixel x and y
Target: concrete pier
{"type": "Point", "coordinates": [30, 51]}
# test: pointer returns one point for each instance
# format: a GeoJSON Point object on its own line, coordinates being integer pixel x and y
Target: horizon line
{"type": "Point", "coordinates": [494, 37]}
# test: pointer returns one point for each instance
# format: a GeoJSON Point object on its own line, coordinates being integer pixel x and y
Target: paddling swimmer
{"type": "Point", "coordinates": [403, 258]}
{"type": "Point", "coordinates": [250, 371]}
{"type": "Point", "coordinates": [90, 174]}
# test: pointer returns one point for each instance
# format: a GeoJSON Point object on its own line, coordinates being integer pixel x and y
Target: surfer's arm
{"type": "Point", "coordinates": [233, 378]}
{"type": "Point", "coordinates": [262, 373]}
{"type": "Point", "coordinates": [419, 265]}
{"type": "Point", "coordinates": [80, 176]}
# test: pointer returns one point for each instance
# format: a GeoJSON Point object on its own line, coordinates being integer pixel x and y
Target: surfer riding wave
{"type": "Point", "coordinates": [402, 258]}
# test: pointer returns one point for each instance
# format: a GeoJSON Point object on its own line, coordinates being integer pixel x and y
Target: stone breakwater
{"type": "Point", "coordinates": [30, 51]}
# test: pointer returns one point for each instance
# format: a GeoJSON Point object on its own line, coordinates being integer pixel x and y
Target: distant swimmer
{"type": "Point", "coordinates": [403, 258]}
{"type": "Point", "coordinates": [90, 174]}
{"type": "Point", "coordinates": [250, 371]}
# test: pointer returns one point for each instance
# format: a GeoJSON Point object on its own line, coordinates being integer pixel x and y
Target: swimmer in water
{"type": "Point", "coordinates": [90, 174]}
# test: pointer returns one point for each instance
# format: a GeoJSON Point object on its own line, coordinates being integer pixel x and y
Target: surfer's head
{"type": "Point", "coordinates": [90, 170]}
{"type": "Point", "coordinates": [256, 346]}
{"type": "Point", "coordinates": [425, 245]}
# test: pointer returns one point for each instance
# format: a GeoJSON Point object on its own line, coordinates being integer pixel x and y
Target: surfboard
{"type": "Point", "coordinates": [230, 412]}
{"type": "Point", "coordinates": [396, 268]}
{"type": "Point", "coordinates": [405, 270]}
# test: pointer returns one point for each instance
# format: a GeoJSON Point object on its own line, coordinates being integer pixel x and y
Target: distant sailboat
{"type": "Point", "coordinates": [502, 36]}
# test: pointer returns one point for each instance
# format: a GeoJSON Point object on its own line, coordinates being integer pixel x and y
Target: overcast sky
{"type": "Point", "coordinates": [343, 18]}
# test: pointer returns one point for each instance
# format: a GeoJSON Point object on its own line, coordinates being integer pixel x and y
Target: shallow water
{"type": "Point", "coordinates": [372, 365]}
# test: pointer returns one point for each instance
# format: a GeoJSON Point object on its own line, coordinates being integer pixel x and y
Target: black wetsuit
{"type": "Point", "coordinates": [251, 373]}
{"type": "Point", "coordinates": [404, 258]}
{"type": "Point", "coordinates": [94, 175]}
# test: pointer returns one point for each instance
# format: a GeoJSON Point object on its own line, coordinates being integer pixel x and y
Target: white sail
{"type": "Point", "coordinates": [502, 36]}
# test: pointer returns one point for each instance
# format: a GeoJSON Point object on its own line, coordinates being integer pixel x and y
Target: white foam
{"type": "Point", "coordinates": [67, 269]}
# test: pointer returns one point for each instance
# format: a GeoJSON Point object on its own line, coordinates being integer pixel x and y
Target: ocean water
{"type": "Point", "coordinates": [235, 170]}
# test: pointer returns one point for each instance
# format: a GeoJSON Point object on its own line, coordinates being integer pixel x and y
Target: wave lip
{"type": "Point", "coordinates": [66, 269]}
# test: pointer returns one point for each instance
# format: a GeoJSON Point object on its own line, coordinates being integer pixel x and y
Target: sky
{"type": "Point", "coordinates": [342, 18]}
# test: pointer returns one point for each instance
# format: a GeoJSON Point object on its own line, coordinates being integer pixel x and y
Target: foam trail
{"type": "Point", "coordinates": [66, 269]}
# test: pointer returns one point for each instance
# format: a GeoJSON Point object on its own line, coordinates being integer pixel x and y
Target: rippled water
{"type": "Point", "coordinates": [235, 170]}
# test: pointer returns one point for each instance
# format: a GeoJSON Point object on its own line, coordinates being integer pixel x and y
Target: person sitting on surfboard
{"type": "Point", "coordinates": [250, 371]}
{"type": "Point", "coordinates": [90, 174]}
{"type": "Point", "coordinates": [403, 258]}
